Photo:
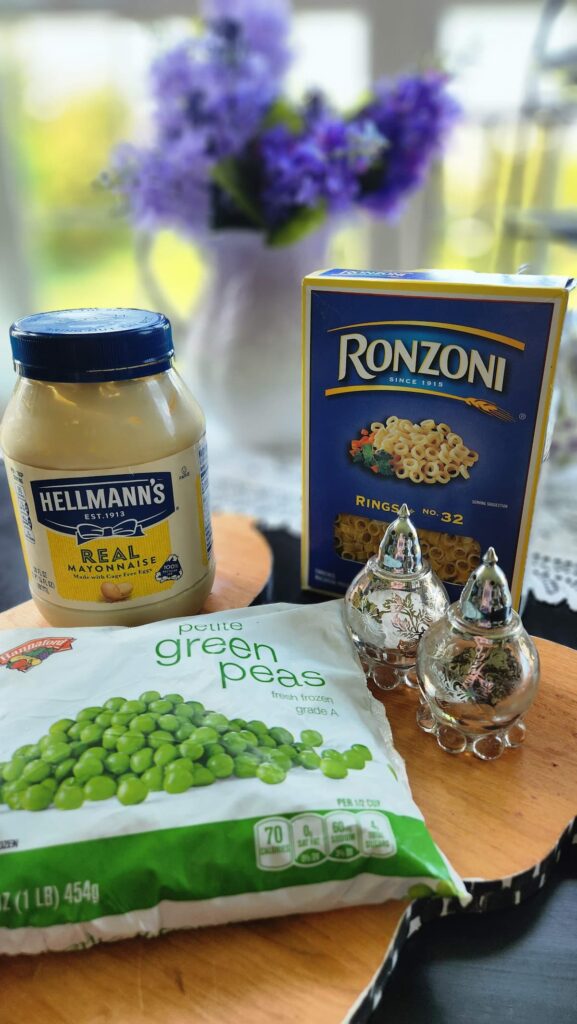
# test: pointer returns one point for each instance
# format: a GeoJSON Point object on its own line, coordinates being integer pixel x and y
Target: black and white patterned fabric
{"type": "Point", "coordinates": [499, 894]}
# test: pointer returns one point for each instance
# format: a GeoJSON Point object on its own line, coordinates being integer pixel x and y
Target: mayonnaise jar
{"type": "Point", "coordinates": [106, 459]}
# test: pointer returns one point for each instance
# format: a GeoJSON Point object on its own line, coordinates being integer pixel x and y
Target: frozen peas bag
{"type": "Point", "coordinates": [185, 773]}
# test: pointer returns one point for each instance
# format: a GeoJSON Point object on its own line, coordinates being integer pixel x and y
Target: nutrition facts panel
{"type": "Point", "coordinates": [308, 839]}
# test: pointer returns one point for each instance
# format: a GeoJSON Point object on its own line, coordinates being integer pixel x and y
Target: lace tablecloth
{"type": "Point", "coordinates": [269, 489]}
{"type": "Point", "coordinates": [552, 564]}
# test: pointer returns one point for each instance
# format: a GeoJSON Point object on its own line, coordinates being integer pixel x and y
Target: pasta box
{"type": "Point", "coordinates": [431, 388]}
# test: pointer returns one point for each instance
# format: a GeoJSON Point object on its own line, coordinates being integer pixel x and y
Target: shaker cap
{"type": "Point", "coordinates": [486, 598]}
{"type": "Point", "coordinates": [400, 550]}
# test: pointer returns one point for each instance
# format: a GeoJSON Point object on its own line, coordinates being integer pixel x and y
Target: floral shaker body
{"type": "Point", "coordinates": [478, 669]}
{"type": "Point", "coordinates": [391, 603]}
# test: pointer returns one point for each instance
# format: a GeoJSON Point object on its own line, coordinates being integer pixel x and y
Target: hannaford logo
{"type": "Point", "coordinates": [26, 656]}
{"type": "Point", "coordinates": [113, 506]}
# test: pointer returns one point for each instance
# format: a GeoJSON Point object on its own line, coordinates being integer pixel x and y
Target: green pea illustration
{"type": "Point", "coordinates": [91, 733]}
{"type": "Point", "coordinates": [309, 759]}
{"type": "Point", "coordinates": [281, 735]}
{"type": "Point", "coordinates": [311, 737]}
{"type": "Point", "coordinates": [334, 754]}
{"type": "Point", "coordinates": [153, 779]}
{"type": "Point", "coordinates": [69, 798]}
{"type": "Point", "coordinates": [277, 757]}
{"type": "Point", "coordinates": [164, 754]}
{"type": "Point", "coordinates": [110, 736]}
{"type": "Point", "coordinates": [204, 734]}
{"type": "Point", "coordinates": [141, 761]}
{"type": "Point", "coordinates": [184, 711]}
{"type": "Point", "coordinates": [88, 714]}
{"type": "Point", "coordinates": [133, 707]}
{"type": "Point", "coordinates": [194, 751]}
{"type": "Point", "coordinates": [143, 723]}
{"type": "Point", "coordinates": [130, 748]}
{"type": "Point", "coordinates": [149, 696]}
{"type": "Point", "coordinates": [158, 737]}
{"type": "Point", "coordinates": [185, 729]}
{"type": "Point", "coordinates": [104, 719]}
{"type": "Point", "coordinates": [114, 704]}
{"type": "Point", "coordinates": [257, 727]}
{"type": "Point", "coordinates": [87, 767]}
{"type": "Point", "coordinates": [170, 723]}
{"type": "Point", "coordinates": [117, 764]}
{"type": "Point", "coordinates": [270, 773]}
{"type": "Point", "coordinates": [363, 750]}
{"type": "Point", "coordinates": [130, 742]}
{"type": "Point", "coordinates": [354, 759]}
{"type": "Point", "coordinates": [333, 769]}
{"type": "Point", "coordinates": [245, 766]}
{"type": "Point", "coordinates": [100, 787]}
{"type": "Point", "coordinates": [36, 771]}
{"type": "Point", "coordinates": [63, 769]}
{"type": "Point", "coordinates": [98, 752]}
{"type": "Point", "coordinates": [221, 766]}
{"type": "Point", "coordinates": [202, 776]}
{"type": "Point", "coordinates": [121, 718]}
{"type": "Point", "coordinates": [160, 706]}
{"type": "Point", "coordinates": [62, 725]}
{"type": "Point", "coordinates": [56, 752]}
{"type": "Point", "coordinates": [131, 791]}
{"type": "Point", "coordinates": [36, 798]}
{"type": "Point", "coordinates": [178, 781]}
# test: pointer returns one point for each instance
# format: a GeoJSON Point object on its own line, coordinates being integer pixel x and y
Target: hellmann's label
{"type": "Point", "coordinates": [124, 536]}
{"type": "Point", "coordinates": [433, 389]}
{"type": "Point", "coordinates": [133, 503]}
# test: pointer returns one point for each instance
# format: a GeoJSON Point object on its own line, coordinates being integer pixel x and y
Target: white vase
{"type": "Point", "coordinates": [242, 355]}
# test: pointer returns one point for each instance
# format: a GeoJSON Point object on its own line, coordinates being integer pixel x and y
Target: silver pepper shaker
{"type": "Point", "coordinates": [478, 669]}
{"type": "Point", "coordinates": [390, 604]}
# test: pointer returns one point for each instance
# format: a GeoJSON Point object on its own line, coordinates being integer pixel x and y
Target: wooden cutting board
{"type": "Point", "coordinates": [491, 819]}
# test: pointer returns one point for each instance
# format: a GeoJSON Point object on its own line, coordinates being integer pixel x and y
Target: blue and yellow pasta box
{"type": "Point", "coordinates": [431, 388]}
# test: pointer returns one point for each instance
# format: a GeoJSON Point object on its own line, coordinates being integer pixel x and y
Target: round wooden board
{"type": "Point", "coordinates": [490, 819]}
{"type": "Point", "coordinates": [243, 569]}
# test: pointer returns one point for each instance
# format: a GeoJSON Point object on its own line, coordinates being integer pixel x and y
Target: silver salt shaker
{"type": "Point", "coordinates": [391, 603]}
{"type": "Point", "coordinates": [478, 669]}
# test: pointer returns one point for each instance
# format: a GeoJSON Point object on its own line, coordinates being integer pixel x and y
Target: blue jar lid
{"type": "Point", "coordinates": [91, 344]}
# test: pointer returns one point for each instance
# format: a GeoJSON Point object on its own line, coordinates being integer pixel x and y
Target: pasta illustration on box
{"type": "Point", "coordinates": [431, 388]}
{"type": "Point", "coordinates": [453, 557]}
{"type": "Point", "coordinates": [425, 452]}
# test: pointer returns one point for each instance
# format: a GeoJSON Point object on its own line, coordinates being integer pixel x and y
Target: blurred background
{"type": "Point", "coordinates": [74, 81]}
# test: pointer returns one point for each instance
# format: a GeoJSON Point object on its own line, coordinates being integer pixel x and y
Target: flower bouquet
{"type": "Point", "coordinates": [237, 166]}
{"type": "Point", "coordinates": [229, 150]}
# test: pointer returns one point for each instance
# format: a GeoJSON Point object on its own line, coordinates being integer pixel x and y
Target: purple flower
{"type": "Point", "coordinates": [163, 187]}
{"type": "Point", "coordinates": [265, 26]}
{"type": "Point", "coordinates": [211, 94]}
{"type": "Point", "coordinates": [319, 166]}
{"type": "Point", "coordinates": [365, 145]}
{"type": "Point", "coordinates": [221, 83]}
{"type": "Point", "coordinates": [219, 156]}
{"type": "Point", "coordinates": [414, 114]}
